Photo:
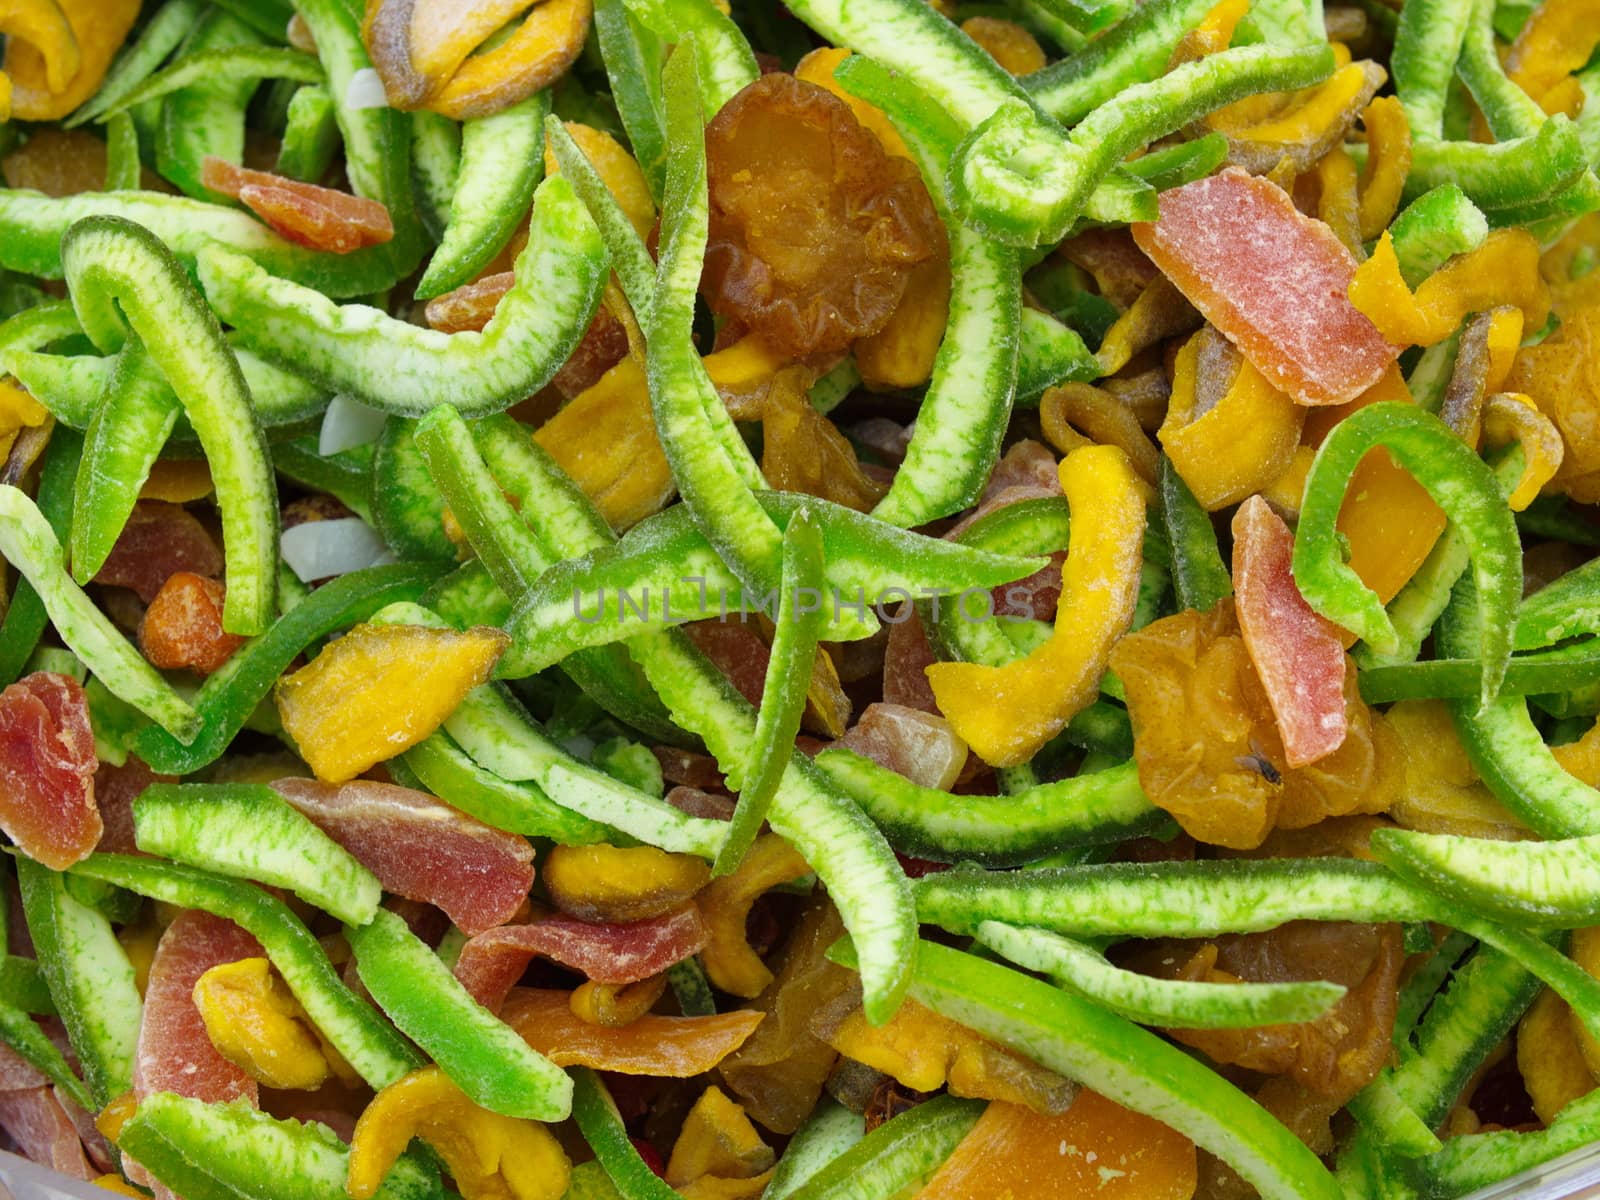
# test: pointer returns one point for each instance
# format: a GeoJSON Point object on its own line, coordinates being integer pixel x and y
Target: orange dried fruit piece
{"type": "Point", "coordinates": [1504, 270]}
{"type": "Point", "coordinates": [178, 481]}
{"type": "Point", "coordinates": [671, 1047]}
{"type": "Point", "coordinates": [616, 1004]}
{"type": "Point", "coordinates": [1239, 444]}
{"type": "Point", "coordinates": [1550, 1058]}
{"type": "Point", "coordinates": [537, 52]}
{"type": "Point", "coordinates": [605, 439]}
{"type": "Point", "coordinates": [1009, 44]}
{"type": "Point", "coordinates": [802, 451]}
{"type": "Point", "coordinates": [379, 690]}
{"type": "Point", "coordinates": [1096, 1148]}
{"type": "Point", "coordinates": [1005, 714]}
{"type": "Point", "coordinates": [818, 67]}
{"type": "Point", "coordinates": [926, 1051]}
{"type": "Point", "coordinates": [779, 1072]}
{"type": "Point", "coordinates": [902, 353]}
{"type": "Point", "coordinates": [18, 411]}
{"type": "Point", "coordinates": [1583, 947]}
{"type": "Point", "coordinates": [621, 883]}
{"type": "Point", "coordinates": [814, 228]}
{"type": "Point", "coordinates": [1273, 280]}
{"type": "Point", "coordinates": [1443, 793]}
{"type": "Point", "coordinates": [318, 217]}
{"type": "Point", "coordinates": [182, 628]}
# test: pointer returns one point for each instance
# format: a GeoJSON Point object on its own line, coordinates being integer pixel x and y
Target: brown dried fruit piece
{"type": "Point", "coordinates": [1335, 1055]}
{"type": "Point", "coordinates": [814, 229]}
{"type": "Point", "coordinates": [1208, 747]}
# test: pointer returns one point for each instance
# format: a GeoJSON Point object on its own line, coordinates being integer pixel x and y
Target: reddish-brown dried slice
{"type": "Point", "coordinates": [115, 789]}
{"type": "Point", "coordinates": [671, 1047]}
{"type": "Point", "coordinates": [736, 650]}
{"type": "Point", "coordinates": [607, 952]}
{"type": "Point", "coordinates": [43, 1132]}
{"type": "Point", "coordinates": [1297, 654]}
{"type": "Point", "coordinates": [906, 657]}
{"type": "Point", "coordinates": [603, 345]}
{"type": "Point", "coordinates": [182, 628]}
{"type": "Point", "coordinates": [47, 766]}
{"type": "Point", "coordinates": [1273, 280]}
{"type": "Point", "coordinates": [313, 216]}
{"type": "Point", "coordinates": [158, 541]}
{"type": "Point", "coordinates": [910, 742]}
{"type": "Point", "coordinates": [17, 1074]}
{"type": "Point", "coordinates": [175, 1053]}
{"type": "Point", "coordinates": [688, 767]}
{"type": "Point", "coordinates": [421, 848]}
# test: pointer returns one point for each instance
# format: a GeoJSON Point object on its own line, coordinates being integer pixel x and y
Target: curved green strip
{"type": "Point", "coordinates": [502, 161]}
{"type": "Point", "coordinates": [799, 623]}
{"type": "Point", "coordinates": [32, 226]}
{"type": "Point", "coordinates": [1506, 748]}
{"type": "Point", "coordinates": [1203, 898]}
{"type": "Point", "coordinates": [125, 436]}
{"type": "Point", "coordinates": [247, 831]}
{"type": "Point", "coordinates": [482, 1055]}
{"type": "Point", "coordinates": [122, 277]}
{"type": "Point", "coordinates": [235, 64]}
{"type": "Point", "coordinates": [1457, 480]}
{"type": "Point", "coordinates": [233, 1152]}
{"type": "Point", "coordinates": [90, 980]}
{"type": "Point", "coordinates": [1122, 1062]}
{"type": "Point", "coordinates": [899, 1155]}
{"type": "Point", "coordinates": [715, 482]}
{"type": "Point", "coordinates": [1147, 1000]}
{"type": "Point", "coordinates": [402, 368]}
{"type": "Point", "coordinates": [1101, 808]}
{"type": "Point", "coordinates": [664, 571]}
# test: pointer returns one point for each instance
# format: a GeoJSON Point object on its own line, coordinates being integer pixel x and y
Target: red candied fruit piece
{"type": "Point", "coordinates": [1273, 280]}
{"type": "Point", "coordinates": [174, 1052]}
{"type": "Point", "coordinates": [158, 541]}
{"type": "Point", "coordinates": [318, 217]}
{"type": "Point", "coordinates": [182, 628]}
{"type": "Point", "coordinates": [736, 650]}
{"type": "Point", "coordinates": [611, 952]}
{"type": "Point", "coordinates": [43, 1132]}
{"type": "Point", "coordinates": [652, 1157]}
{"type": "Point", "coordinates": [421, 848]}
{"type": "Point", "coordinates": [47, 766]}
{"type": "Point", "coordinates": [1297, 654]}
{"type": "Point", "coordinates": [116, 788]}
